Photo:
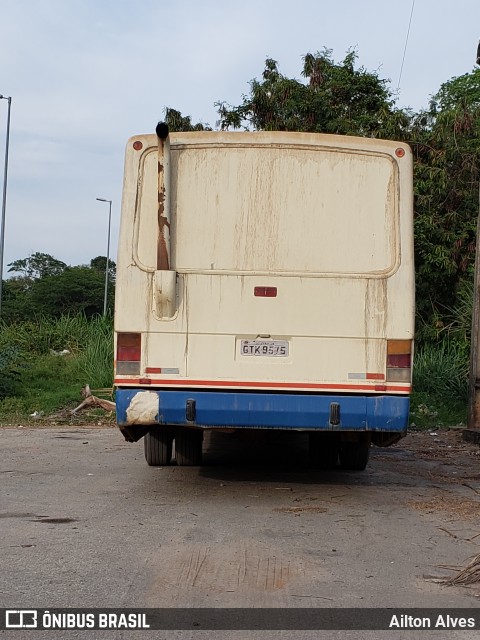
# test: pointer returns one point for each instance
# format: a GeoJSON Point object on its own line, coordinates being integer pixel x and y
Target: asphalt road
{"type": "Point", "coordinates": [86, 523]}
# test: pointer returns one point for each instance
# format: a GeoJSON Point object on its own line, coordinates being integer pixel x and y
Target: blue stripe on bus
{"type": "Point", "coordinates": [265, 410]}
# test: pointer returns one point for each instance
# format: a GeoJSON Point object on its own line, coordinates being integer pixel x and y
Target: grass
{"type": "Point", "coordinates": [442, 369]}
{"type": "Point", "coordinates": [432, 411]}
{"type": "Point", "coordinates": [42, 335]}
{"type": "Point", "coordinates": [440, 383]}
{"type": "Point", "coordinates": [442, 361]}
{"type": "Point", "coordinates": [39, 379]}
{"type": "Point", "coordinates": [94, 364]}
{"type": "Point", "coordinates": [47, 384]}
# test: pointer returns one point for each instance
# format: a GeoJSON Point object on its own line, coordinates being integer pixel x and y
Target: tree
{"type": "Point", "coordinates": [446, 143]}
{"type": "Point", "coordinates": [37, 265]}
{"type": "Point", "coordinates": [48, 287]}
{"type": "Point", "coordinates": [15, 305]}
{"type": "Point", "coordinates": [337, 98]}
{"type": "Point", "coordinates": [98, 264]}
{"type": "Point", "coordinates": [177, 122]}
{"type": "Point", "coordinates": [76, 290]}
{"type": "Point", "coordinates": [15, 291]}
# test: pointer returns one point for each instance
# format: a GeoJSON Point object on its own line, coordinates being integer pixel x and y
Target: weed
{"type": "Point", "coordinates": [431, 411]}
{"type": "Point", "coordinates": [35, 378]}
{"type": "Point", "coordinates": [94, 365]}
{"type": "Point", "coordinates": [11, 362]}
{"type": "Point", "coordinates": [442, 370]}
{"type": "Point", "coordinates": [440, 383]}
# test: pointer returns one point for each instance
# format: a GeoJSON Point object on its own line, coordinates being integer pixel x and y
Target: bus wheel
{"type": "Point", "coordinates": [323, 450]}
{"type": "Point", "coordinates": [158, 447]}
{"type": "Point", "coordinates": [354, 455]}
{"type": "Point", "coordinates": [188, 447]}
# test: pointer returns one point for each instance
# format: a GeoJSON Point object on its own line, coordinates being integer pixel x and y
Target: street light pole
{"type": "Point", "coordinates": [108, 253]}
{"type": "Point", "coordinates": [4, 199]}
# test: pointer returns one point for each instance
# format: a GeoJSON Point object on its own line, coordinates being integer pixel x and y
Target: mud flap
{"type": "Point", "coordinates": [134, 433]}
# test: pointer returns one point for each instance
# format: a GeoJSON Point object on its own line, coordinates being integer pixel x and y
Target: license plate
{"type": "Point", "coordinates": [269, 348]}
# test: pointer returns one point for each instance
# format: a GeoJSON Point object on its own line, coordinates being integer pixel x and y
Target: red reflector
{"type": "Point", "coordinates": [129, 347]}
{"type": "Point", "coordinates": [399, 360]}
{"type": "Point", "coordinates": [265, 292]}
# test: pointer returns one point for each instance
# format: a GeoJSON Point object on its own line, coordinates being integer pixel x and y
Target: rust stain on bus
{"type": "Point", "coordinates": [163, 261]}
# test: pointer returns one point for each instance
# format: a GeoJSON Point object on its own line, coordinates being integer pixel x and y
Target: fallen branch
{"type": "Point", "coordinates": [93, 401]}
{"type": "Point", "coordinates": [468, 575]}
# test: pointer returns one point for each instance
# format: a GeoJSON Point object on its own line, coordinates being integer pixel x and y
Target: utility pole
{"type": "Point", "coordinates": [107, 264]}
{"type": "Point", "coordinates": [4, 197]}
{"type": "Point", "coordinates": [472, 432]}
{"type": "Point", "coordinates": [473, 418]}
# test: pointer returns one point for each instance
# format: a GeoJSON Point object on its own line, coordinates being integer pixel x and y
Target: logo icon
{"type": "Point", "coordinates": [21, 619]}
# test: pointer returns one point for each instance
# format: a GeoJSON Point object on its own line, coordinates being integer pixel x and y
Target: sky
{"type": "Point", "coordinates": [85, 75]}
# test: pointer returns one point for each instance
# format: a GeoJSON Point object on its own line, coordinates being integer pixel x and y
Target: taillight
{"type": "Point", "coordinates": [129, 346]}
{"type": "Point", "coordinates": [265, 292]}
{"type": "Point", "coordinates": [129, 351]}
{"type": "Point", "coordinates": [399, 360]}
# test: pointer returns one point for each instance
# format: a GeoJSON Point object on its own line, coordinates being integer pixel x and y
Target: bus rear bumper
{"type": "Point", "coordinates": [228, 409]}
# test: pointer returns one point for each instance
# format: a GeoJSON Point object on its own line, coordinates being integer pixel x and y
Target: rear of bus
{"type": "Point", "coordinates": [265, 281]}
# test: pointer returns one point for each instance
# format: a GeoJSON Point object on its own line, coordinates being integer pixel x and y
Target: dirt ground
{"type": "Point", "coordinates": [450, 460]}
{"type": "Point", "coordinates": [445, 446]}
{"type": "Point", "coordinates": [87, 523]}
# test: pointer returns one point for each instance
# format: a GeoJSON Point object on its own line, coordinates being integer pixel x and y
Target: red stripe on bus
{"type": "Point", "coordinates": [185, 382]}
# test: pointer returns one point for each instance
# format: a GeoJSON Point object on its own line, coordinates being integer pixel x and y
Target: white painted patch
{"type": "Point", "coordinates": [143, 408]}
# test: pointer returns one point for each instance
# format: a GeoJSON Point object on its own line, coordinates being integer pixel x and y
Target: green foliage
{"type": "Point", "coordinates": [446, 145]}
{"type": "Point", "coordinates": [48, 287]}
{"type": "Point", "coordinates": [37, 265]}
{"type": "Point", "coordinates": [442, 370]}
{"type": "Point", "coordinates": [337, 98]}
{"type": "Point", "coordinates": [452, 323]}
{"type": "Point", "coordinates": [94, 364]}
{"type": "Point", "coordinates": [99, 263]}
{"type": "Point", "coordinates": [75, 290]}
{"type": "Point", "coordinates": [177, 122]}
{"type": "Point", "coordinates": [11, 362]}
{"type": "Point", "coordinates": [43, 380]}
{"type": "Point", "coordinates": [42, 335]}
{"type": "Point", "coordinates": [441, 364]}
{"type": "Point", "coordinates": [432, 412]}
{"type": "Point", "coordinates": [15, 304]}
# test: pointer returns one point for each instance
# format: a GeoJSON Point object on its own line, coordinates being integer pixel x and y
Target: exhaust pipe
{"type": "Point", "coordinates": [163, 246]}
{"type": "Point", "coordinates": [165, 280]}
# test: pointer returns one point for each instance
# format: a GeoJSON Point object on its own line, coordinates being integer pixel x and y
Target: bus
{"type": "Point", "coordinates": [265, 280]}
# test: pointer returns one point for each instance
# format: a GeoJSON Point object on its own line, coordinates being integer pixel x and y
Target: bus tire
{"type": "Point", "coordinates": [158, 447]}
{"type": "Point", "coordinates": [323, 450]}
{"type": "Point", "coordinates": [188, 447]}
{"type": "Point", "coordinates": [354, 455]}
